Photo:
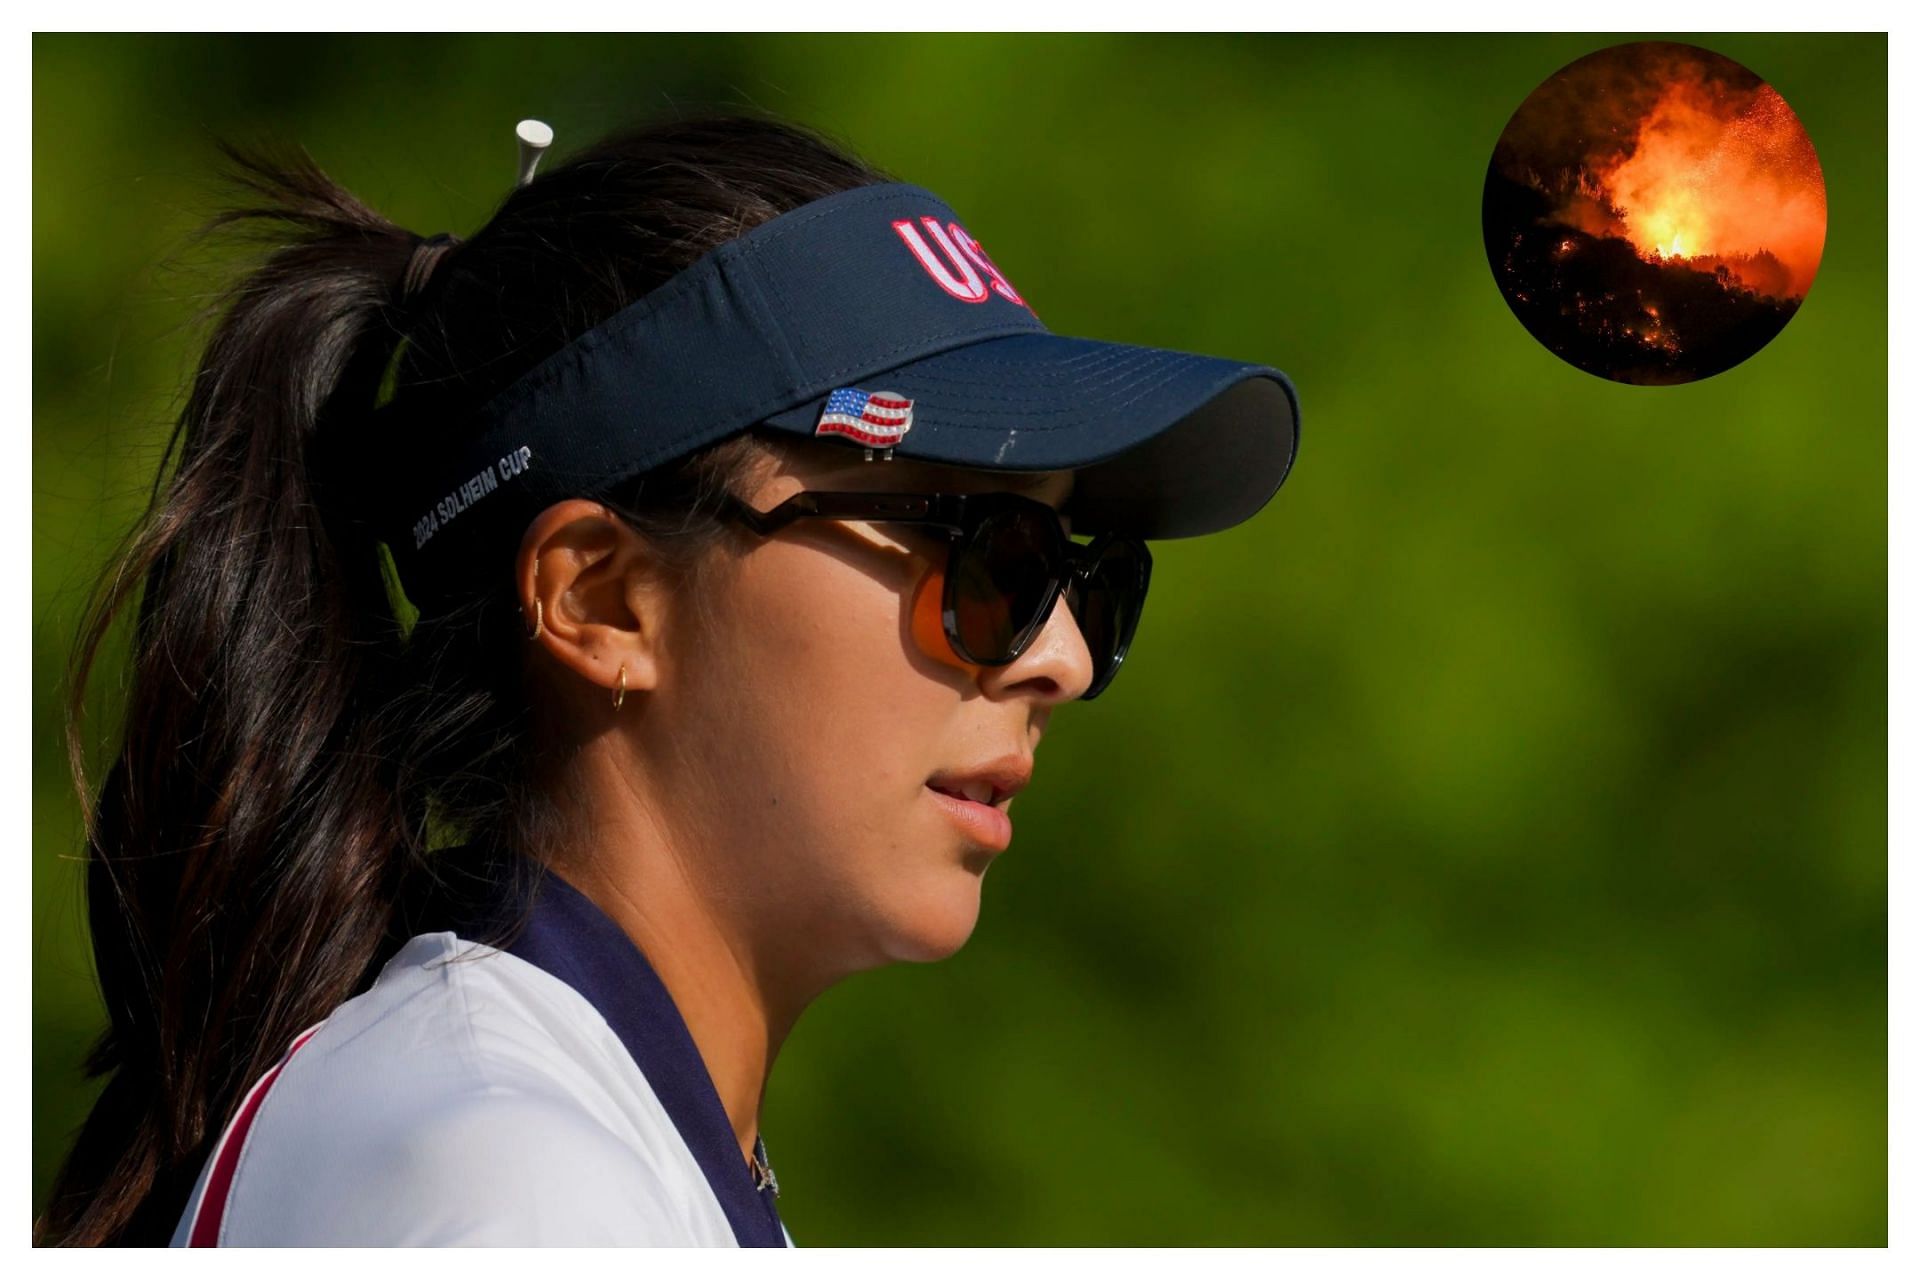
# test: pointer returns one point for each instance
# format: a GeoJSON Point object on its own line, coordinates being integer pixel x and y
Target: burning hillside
{"type": "Point", "coordinates": [1654, 213]}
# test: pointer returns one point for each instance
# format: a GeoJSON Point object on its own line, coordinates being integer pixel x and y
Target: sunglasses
{"type": "Point", "coordinates": [1008, 561]}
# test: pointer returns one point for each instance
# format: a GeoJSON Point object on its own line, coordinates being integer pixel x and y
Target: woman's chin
{"type": "Point", "coordinates": [937, 923]}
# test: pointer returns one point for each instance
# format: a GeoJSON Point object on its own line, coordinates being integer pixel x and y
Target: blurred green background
{"type": "Point", "coordinates": [1487, 843]}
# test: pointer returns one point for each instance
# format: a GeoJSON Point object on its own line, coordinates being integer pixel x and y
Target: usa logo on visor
{"type": "Point", "coordinates": [876, 418]}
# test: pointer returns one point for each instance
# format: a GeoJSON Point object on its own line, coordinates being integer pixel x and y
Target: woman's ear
{"type": "Point", "coordinates": [595, 592]}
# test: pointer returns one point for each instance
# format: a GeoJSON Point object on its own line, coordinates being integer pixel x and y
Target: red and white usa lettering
{"type": "Point", "coordinates": [955, 260]}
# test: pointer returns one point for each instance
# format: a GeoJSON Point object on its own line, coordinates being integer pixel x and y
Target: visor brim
{"type": "Point", "coordinates": [1165, 444]}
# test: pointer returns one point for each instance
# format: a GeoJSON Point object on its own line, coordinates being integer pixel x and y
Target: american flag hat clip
{"type": "Point", "coordinates": [875, 419]}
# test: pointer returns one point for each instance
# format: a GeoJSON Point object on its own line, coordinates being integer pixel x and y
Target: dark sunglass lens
{"type": "Point", "coordinates": [1002, 579]}
{"type": "Point", "coordinates": [1107, 607]}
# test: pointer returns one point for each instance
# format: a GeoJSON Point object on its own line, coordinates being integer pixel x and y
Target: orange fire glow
{"type": "Point", "coordinates": [1729, 180]}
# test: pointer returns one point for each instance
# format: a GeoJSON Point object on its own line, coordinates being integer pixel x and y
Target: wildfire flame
{"type": "Point", "coordinates": [1711, 175]}
{"type": "Point", "coordinates": [1660, 207]}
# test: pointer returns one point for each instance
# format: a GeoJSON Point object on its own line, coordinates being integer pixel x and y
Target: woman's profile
{"type": "Point", "coordinates": [561, 653]}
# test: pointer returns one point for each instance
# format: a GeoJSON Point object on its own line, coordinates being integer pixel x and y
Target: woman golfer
{"type": "Point", "coordinates": [566, 652]}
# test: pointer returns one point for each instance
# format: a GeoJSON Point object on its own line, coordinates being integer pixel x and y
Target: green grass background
{"type": "Point", "coordinates": [1486, 844]}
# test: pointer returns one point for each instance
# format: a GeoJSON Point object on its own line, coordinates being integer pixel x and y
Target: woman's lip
{"type": "Point", "coordinates": [989, 826]}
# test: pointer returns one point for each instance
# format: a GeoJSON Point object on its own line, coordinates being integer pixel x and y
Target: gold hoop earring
{"type": "Point", "coordinates": [539, 614]}
{"type": "Point", "coordinates": [620, 694]}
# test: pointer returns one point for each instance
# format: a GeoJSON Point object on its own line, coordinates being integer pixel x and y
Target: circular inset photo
{"type": "Point", "coordinates": [1654, 213]}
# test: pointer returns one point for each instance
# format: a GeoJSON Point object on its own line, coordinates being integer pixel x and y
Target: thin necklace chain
{"type": "Point", "coordinates": [762, 1171]}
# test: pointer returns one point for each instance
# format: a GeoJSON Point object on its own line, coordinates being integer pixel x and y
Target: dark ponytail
{"type": "Point", "coordinates": [296, 742]}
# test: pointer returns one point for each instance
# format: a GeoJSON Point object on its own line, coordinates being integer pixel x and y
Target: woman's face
{"type": "Point", "coordinates": [795, 723]}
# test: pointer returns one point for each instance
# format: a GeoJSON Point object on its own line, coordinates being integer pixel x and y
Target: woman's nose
{"type": "Point", "coordinates": [1056, 667]}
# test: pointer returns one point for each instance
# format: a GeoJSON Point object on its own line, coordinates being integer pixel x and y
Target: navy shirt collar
{"type": "Point", "coordinates": [568, 936]}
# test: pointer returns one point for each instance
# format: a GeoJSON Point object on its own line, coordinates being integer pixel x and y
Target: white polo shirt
{"type": "Point", "coordinates": [548, 1093]}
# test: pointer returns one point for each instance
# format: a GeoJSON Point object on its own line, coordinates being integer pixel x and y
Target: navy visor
{"type": "Point", "coordinates": [870, 318]}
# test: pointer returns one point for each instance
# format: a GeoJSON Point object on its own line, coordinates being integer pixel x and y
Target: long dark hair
{"type": "Point", "coordinates": [297, 741]}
